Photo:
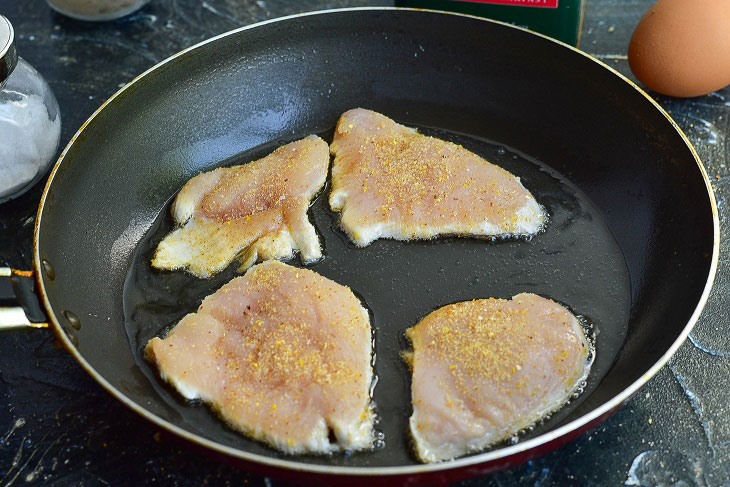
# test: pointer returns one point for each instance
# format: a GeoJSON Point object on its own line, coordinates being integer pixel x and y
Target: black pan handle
{"type": "Point", "coordinates": [19, 305]}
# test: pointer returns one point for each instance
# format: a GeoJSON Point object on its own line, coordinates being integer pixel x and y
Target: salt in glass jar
{"type": "Point", "coordinates": [30, 122]}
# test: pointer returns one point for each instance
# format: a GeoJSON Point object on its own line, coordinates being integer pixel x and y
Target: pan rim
{"type": "Point", "coordinates": [293, 465]}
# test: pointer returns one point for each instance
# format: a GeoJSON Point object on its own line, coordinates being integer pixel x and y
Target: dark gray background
{"type": "Point", "coordinates": [58, 427]}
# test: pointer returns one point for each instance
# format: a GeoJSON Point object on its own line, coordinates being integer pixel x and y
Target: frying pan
{"type": "Point", "coordinates": [632, 243]}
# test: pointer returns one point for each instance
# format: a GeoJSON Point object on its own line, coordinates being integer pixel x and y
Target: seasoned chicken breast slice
{"type": "Point", "coordinates": [485, 369]}
{"type": "Point", "coordinates": [255, 211]}
{"type": "Point", "coordinates": [283, 355]}
{"type": "Point", "coordinates": [388, 181]}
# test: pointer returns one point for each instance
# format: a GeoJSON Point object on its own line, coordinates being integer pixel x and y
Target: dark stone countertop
{"type": "Point", "coordinates": [58, 427]}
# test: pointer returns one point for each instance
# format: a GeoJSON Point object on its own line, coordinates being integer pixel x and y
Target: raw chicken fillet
{"type": "Point", "coordinates": [485, 369]}
{"type": "Point", "coordinates": [283, 355]}
{"type": "Point", "coordinates": [388, 181]}
{"type": "Point", "coordinates": [257, 211]}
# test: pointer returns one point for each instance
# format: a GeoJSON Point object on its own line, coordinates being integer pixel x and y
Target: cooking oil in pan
{"type": "Point", "coordinates": [574, 261]}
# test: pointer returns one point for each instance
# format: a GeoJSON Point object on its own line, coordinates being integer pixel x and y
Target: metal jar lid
{"type": "Point", "coordinates": [8, 56]}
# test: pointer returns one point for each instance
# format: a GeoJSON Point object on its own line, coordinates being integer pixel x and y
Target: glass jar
{"type": "Point", "coordinates": [30, 123]}
{"type": "Point", "coordinates": [96, 10]}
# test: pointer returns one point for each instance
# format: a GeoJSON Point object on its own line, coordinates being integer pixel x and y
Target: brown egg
{"type": "Point", "coordinates": [682, 47]}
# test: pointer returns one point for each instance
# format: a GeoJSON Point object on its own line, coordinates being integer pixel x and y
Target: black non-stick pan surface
{"type": "Point", "coordinates": [631, 244]}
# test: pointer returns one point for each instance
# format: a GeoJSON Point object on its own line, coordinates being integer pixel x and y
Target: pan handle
{"type": "Point", "coordinates": [19, 305]}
